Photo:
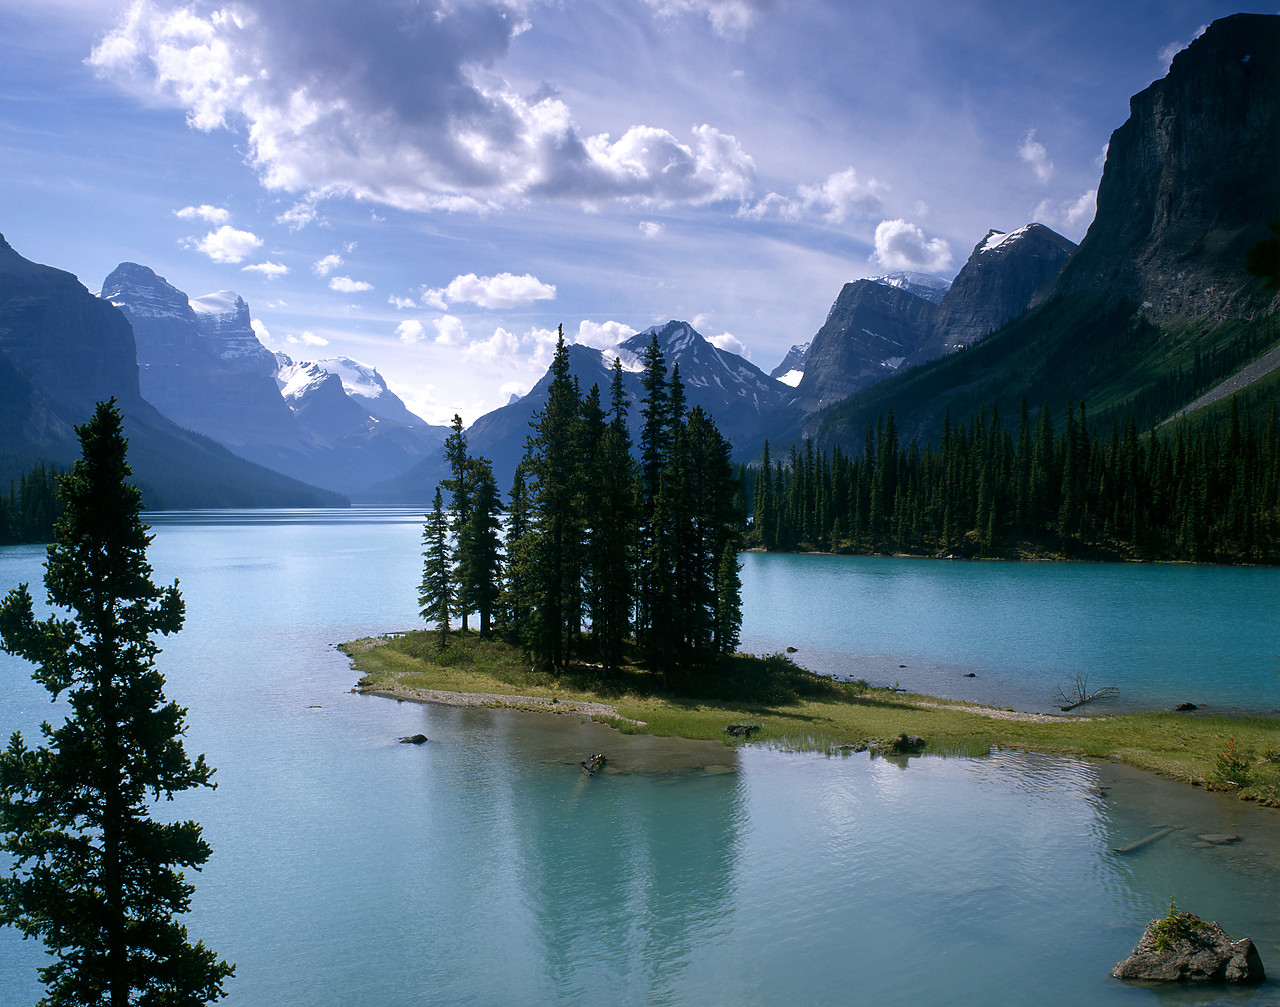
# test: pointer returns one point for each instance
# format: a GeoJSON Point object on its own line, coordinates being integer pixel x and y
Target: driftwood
{"type": "Point", "coordinates": [742, 730]}
{"type": "Point", "coordinates": [1080, 693]}
{"type": "Point", "coordinates": [1145, 841]}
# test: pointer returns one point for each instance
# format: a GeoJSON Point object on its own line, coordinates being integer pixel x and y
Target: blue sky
{"type": "Point", "coordinates": [431, 187]}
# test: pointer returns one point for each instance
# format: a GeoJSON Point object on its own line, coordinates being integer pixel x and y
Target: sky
{"type": "Point", "coordinates": [431, 187]}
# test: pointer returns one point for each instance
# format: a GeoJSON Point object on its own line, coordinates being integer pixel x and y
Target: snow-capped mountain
{"type": "Point", "coordinates": [926, 285]}
{"type": "Point", "coordinates": [201, 363]}
{"type": "Point", "coordinates": [791, 369]}
{"type": "Point", "coordinates": [740, 397]}
{"type": "Point", "coordinates": [361, 382]}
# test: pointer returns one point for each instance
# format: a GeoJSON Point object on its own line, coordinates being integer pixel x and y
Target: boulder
{"type": "Point", "coordinates": [414, 739]}
{"type": "Point", "coordinates": [1181, 947]}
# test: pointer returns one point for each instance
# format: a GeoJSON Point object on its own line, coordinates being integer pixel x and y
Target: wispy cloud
{"type": "Point", "coordinates": [268, 269]}
{"type": "Point", "coordinates": [1033, 152]}
{"type": "Point", "coordinates": [209, 214]}
{"type": "Point", "coordinates": [346, 285]}
{"type": "Point", "coordinates": [327, 265]}
{"type": "Point", "coordinates": [841, 196]}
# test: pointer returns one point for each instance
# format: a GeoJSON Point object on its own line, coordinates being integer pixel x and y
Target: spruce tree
{"type": "Point", "coordinates": [92, 875]}
{"type": "Point", "coordinates": [435, 593]}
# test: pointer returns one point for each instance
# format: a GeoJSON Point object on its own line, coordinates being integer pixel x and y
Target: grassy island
{"type": "Point", "coordinates": [798, 710]}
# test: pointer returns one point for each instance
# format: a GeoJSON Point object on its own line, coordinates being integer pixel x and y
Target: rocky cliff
{"type": "Point", "coordinates": [997, 282]}
{"type": "Point", "coordinates": [871, 329]}
{"type": "Point", "coordinates": [1191, 182]}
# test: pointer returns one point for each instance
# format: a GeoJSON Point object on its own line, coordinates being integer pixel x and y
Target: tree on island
{"type": "Point", "coordinates": [92, 875]}
{"type": "Point", "coordinates": [435, 593]}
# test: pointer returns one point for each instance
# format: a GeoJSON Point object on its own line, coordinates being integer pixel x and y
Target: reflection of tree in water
{"type": "Point", "coordinates": [625, 875]}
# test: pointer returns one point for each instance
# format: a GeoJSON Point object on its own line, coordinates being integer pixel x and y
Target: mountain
{"type": "Point", "coordinates": [61, 351]}
{"type": "Point", "coordinates": [870, 330]}
{"type": "Point", "coordinates": [998, 282]}
{"type": "Point", "coordinates": [791, 369]}
{"type": "Point", "coordinates": [1191, 182]}
{"type": "Point", "coordinates": [202, 365]}
{"type": "Point", "coordinates": [740, 397]}
{"type": "Point", "coordinates": [1156, 307]}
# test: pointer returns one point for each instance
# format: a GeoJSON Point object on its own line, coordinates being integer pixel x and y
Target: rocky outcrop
{"type": "Point", "coordinates": [1003, 274]}
{"type": "Point", "coordinates": [1181, 947]}
{"type": "Point", "coordinates": [1190, 182]}
{"type": "Point", "coordinates": [871, 329]}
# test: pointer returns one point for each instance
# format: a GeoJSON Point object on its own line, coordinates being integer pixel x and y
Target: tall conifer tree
{"type": "Point", "coordinates": [92, 874]}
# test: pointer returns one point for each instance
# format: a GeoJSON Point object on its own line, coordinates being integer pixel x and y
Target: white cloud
{"type": "Point", "coordinates": [226, 244]}
{"type": "Point", "coordinates": [730, 343]}
{"type": "Point", "coordinates": [260, 330]}
{"type": "Point", "coordinates": [494, 292]}
{"type": "Point", "coordinates": [417, 118]}
{"type": "Point", "coordinates": [513, 390]}
{"type": "Point", "coordinates": [268, 269]}
{"type": "Point", "coordinates": [306, 339]}
{"type": "Point", "coordinates": [1033, 152]}
{"type": "Point", "coordinates": [403, 303]}
{"type": "Point", "coordinates": [410, 331]}
{"type": "Point", "coordinates": [728, 17]}
{"type": "Point", "coordinates": [450, 331]}
{"type": "Point", "coordinates": [346, 285]}
{"type": "Point", "coordinates": [841, 196]}
{"type": "Point", "coordinates": [502, 345]}
{"type": "Point", "coordinates": [327, 265]}
{"type": "Point", "coordinates": [1072, 216]}
{"type": "Point", "coordinates": [902, 245]}
{"type": "Point", "coordinates": [602, 335]}
{"type": "Point", "coordinates": [1173, 48]}
{"type": "Point", "coordinates": [209, 214]}
{"type": "Point", "coordinates": [299, 215]}
{"type": "Point", "coordinates": [651, 228]}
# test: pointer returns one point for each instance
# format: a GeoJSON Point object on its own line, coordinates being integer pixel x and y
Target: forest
{"type": "Point", "coordinates": [1191, 491]}
{"type": "Point", "coordinates": [602, 546]}
{"type": "Point", "coordinates": [31, 508]}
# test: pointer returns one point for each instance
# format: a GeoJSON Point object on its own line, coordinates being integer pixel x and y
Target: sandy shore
{"type": "Point", "coordinates": [541, 704]}
{"type": "Point", "coordinates": [500, 701]}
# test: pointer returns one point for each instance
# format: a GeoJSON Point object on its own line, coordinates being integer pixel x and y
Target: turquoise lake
{"type": "Point", "coordinates": [483, 868]}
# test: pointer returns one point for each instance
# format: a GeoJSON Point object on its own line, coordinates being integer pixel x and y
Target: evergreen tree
{"type": "Point", "coordinates": [92, 874]}
{"type": "Point", "coordinates": [480, 544]}
{"type": "Point", "coordinates": [728, 602]}
{"type": "Point", "coordinates": [435, 593]}
{"type": "Point", "coordinates": [460, 492]}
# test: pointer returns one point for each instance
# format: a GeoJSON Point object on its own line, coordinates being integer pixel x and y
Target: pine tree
{"type": "Point", "coordinates": [460, 492]}
{"type": "Point", "coordinates": [92, 874]}
{"type": "Point", "coordinates": [435, 593]}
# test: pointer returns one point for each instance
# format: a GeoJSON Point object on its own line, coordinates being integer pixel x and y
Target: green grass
{"type": "Point", "coordinates": [801, 711]}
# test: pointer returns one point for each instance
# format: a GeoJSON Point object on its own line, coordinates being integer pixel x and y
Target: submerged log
{"type": "Point", "coordinates": [1159, 834]}
{"type": "Point", "coordinates": [593, 764]}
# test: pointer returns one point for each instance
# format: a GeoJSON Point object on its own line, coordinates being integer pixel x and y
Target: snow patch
{"type": "Point", "coordinates": [792, 377]}
{"type": "Point", "coordinates": [223, 302]}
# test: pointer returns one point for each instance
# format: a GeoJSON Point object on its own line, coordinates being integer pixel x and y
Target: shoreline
{"type": "Point", "coordinates": [779, 704]}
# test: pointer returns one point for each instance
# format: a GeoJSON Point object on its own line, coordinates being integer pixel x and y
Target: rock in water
{"type": "Point", "coordinates": [1181, 947]}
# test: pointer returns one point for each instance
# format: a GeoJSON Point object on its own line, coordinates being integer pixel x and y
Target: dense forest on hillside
{"type": "Point", "coordinates": [1193, 491]}
{"type": "Point", "coordinates": [31, 507]}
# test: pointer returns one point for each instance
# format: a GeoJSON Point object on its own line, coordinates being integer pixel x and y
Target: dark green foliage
{"type": "Point", "coordinates": [32, 507]}
{"type": "Point", "coordinates": [460, 493]}
{"type": "Point", "coordinates": [603, 533]}
{"type": "Point", "coordinates": [435, 593]}
{"type": "Point", "coordinates": [480, 544]}
{"type": "Point", "coordinates": [92, 875]}
{"type": "Point", "coordinates": [1203, 492]}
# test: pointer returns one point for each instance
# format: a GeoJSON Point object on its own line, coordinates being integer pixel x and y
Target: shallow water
{"type": "Point", "coordinates": [485, 868]}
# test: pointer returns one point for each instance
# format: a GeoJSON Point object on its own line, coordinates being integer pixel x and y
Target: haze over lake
{"type": "Point", "coordinates": [482, 868]}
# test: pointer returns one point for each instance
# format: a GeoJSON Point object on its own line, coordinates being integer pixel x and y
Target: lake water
{"type": "Point", "coordinates": [483, 868]}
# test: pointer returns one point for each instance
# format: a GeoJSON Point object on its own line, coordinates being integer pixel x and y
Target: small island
{"type": "Point", "coordinates": [797, 710]}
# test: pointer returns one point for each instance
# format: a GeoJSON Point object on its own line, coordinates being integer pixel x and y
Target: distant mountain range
{"type": "Point", "coordinates": [1154, 311]}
